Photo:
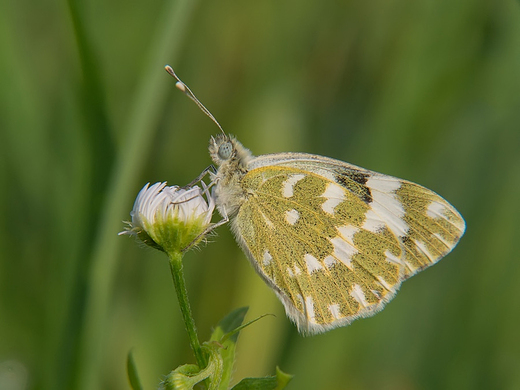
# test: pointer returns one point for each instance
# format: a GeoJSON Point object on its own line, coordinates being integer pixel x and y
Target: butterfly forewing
{"type": "Point", "coordinates": [335, 241]}
{"type": "Point", "coordinates": [435, 226]}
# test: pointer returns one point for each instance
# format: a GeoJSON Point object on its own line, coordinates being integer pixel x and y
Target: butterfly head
{"type": "Point", "coordinates": [227, 150]}
{"type": "Point", "coordinates": [232, 160]}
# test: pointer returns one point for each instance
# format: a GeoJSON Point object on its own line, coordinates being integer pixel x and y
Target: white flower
{"type": "Point", "coordinates": [171, 218]}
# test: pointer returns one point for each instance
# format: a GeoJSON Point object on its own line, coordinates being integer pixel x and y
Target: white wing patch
{"type": "Point", "coordinates": [386, 208]}
{"type": "Point", "coordinates": [347, 232]}
{"type": "Point", "coordinates": [309, 308]}
{"type": "Point", "coordinates": [358, 294]}
{"type": "Point", "coordinates": [312, 263]}
{"type": "Point", "coordinates": [436, 210]}
{"type": "Point", "coordinates": [424, 249]}
{"type": "Point", "coordinates": [343, 251]}
{"type": "Point", "coordinates": [334, 310]}
{"type": "Point", "coordinates": [391, 258]}
{"type": "Point", "coordinates": [384, 283]}
{"type": "Point", "coordinates": [292, 216]}
{"type": "Point", "coordinates": [329, 261]}
{"type": "Point", "coordinates": [267, 258]}
{"type": "Point", "coordinates": [383, 184]}
{"type": "Point", "coordinates": [288, 185]}
{"type": "Point", "coordinates": [334, 195]}
{"type": "Point", "coordinates": [373, 222]}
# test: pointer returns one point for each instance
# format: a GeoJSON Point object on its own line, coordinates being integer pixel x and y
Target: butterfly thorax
{"type": "Point", "coordinates": [232, 160]}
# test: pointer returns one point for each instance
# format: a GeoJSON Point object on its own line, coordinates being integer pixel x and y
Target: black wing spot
{"type": "Point", "coordinates": [355, 182]}
{"type": "Point", "coordinates": [407, 241]}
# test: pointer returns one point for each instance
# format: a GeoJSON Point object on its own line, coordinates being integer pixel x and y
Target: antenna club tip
{"type": "Point", "coordinates": [169, 69]}
{"type": "Point", "coordinates": [180, 85]}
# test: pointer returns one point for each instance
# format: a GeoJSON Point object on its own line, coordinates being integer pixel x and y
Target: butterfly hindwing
{"type": "Point", "coordinates": [335, 241]}
{"type": "Point", "coordinates": [304, 235]}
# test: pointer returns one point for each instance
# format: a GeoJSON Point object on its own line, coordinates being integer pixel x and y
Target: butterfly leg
{"type": "Point", "coordinates": [209, 229]}
{"type": "Point", "coordinates": [211, 170]}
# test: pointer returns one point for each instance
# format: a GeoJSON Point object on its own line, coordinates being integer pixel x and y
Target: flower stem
{"type": "Point", "coordinates": [182, 296]}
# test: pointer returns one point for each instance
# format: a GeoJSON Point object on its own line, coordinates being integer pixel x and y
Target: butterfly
{"type": "Point", "coordinates": [334, 241]}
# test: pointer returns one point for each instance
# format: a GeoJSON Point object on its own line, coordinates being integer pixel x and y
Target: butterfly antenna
{"type": "Point", "coordinates": [187, 91]}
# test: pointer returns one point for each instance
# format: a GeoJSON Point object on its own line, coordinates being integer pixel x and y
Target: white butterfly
{"type": "Point", "coordinates": [333, 240]}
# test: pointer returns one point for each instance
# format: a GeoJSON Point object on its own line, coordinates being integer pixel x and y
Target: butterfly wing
{"type": "Point", "coordinates": [335, 241]}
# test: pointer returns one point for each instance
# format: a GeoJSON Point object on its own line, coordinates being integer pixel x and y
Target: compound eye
{"type": "Point", "coordinates": [225, 150]}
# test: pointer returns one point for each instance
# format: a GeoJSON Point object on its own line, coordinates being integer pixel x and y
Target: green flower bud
{"type": "Point", "coordinates": [171, 219]}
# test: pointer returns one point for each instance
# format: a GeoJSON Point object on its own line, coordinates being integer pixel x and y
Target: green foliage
{"type": "Point", "coordinates": [277, 382]}
{"type": "Point", "coordinates": [221, 360]}
{"type": "Point", "coordinates": [131, 370]}
{"type": "Point", "coordinates": [228, 347]}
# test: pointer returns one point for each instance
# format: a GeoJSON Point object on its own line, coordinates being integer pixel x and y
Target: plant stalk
{"type": "Point", "coordinates": [184, 304]}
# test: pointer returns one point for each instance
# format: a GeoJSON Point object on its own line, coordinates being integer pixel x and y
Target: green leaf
{"type": "Point", "coordinates": [227, 350]}
{"type": "Point", "coordinates": [237, 330]}
{"type": "Point", "coordinates": [283, 378]}
{"type": "Point", "coordinates": [229, 323]}
{"type": "Point", "coordinates": [277, 382]}
{"type": "Point", "coordinates": [131, 370]}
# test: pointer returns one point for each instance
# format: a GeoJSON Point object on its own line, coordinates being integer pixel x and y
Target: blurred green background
{"type": "Point", "coordinates": [420, 89]}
